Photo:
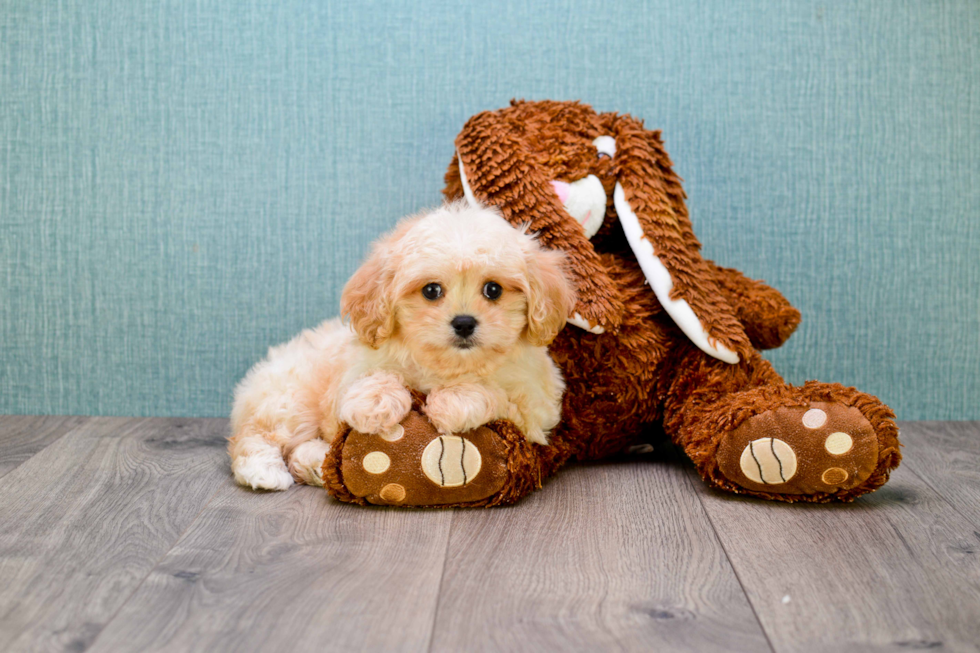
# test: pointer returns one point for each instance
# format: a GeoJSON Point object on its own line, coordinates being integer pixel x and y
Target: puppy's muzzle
{"type": "Point", "coordinates": [464, 326]}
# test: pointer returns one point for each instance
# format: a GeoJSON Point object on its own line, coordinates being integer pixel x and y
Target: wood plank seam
{"type": "Point", "coordinates": [692, 478]}
{"type": "Point", "coordinates": [609, 556]}
{"type": "Point", "coordinates": [70, 429]}
{"type": "Point", "coordinates": [442, 579]}
{"type": "Point", "coordinates": [5, 472]}
{"type": "Point", "coordinates": [898, 538]}
{"type": "Point", "coordinates": [925, 481]}
{"type": "Point", "coordinates": [87, 518]}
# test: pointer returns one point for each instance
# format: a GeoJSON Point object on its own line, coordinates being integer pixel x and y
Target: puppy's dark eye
{"type": "Point", "coordinates": [492, 290]}
{"type": "Point", "coordinates": [432, 291]}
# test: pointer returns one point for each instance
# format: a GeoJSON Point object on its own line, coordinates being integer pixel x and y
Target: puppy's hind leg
{"type": "Point", "coordinates": [272, 408]}
{"type": "Point", "coordinates": [277, 416]}
{"type": "Point", "coordinates": [257, 463]}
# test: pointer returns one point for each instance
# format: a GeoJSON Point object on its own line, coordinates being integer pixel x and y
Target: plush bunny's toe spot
{"type": "Point", "coordinates": [821, 448]}
{"type": "Point", "coordinates": [838, 443]}
{"type": "Point", "coordinates": [393, 493]}
{"type": "Point", "coordinates": [395, 434]}
{"type": "Point", "coordinates": [814, 418]}
{"type": "Point", "coordinates": [834, 476]}
{"type": "Point", "coordinates": [376, 462]}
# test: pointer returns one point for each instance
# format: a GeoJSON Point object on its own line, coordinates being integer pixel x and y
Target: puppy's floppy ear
{"type": "Point", "coordinates": [550, 294]}
{"type": "Point", "coordinates": [366, 299]}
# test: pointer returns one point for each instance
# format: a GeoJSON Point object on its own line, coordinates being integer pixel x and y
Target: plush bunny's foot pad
{"type": "Point", "coordinates": [823, 450]}
{"type": "Point", "coordinates": [798, 450]}
{"type": "Point", "coordinates": [413, 465]}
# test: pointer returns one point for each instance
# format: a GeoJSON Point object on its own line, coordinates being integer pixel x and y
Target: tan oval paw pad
{"type": "Point", "coordinates": [395, 434]}
{"type": "Point", "coordinates": [838, 443]}
{"type": "Point", "coordinates": [376, 462]}
{"type": "Point", "coordinates": [834, 476]}
{"type": "Point", "coordinates": [393, 492]}
{"type": "Point", "coordinates": [814, 418]}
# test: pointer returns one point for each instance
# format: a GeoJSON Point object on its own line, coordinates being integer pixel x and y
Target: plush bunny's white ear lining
{"type": "Point", "coordinates": [659, 279]}
{"type": "Point", "coordinates": [577, 320]}
{"type": "Point", "coordinates": [466, 185]}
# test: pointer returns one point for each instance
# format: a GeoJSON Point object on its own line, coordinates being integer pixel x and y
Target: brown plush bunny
{"type": "Point", "coordinates": [661, 336]}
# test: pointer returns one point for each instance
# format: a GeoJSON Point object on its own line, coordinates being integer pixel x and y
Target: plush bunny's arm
{"type": "Point", "coordinates": [768, 317]}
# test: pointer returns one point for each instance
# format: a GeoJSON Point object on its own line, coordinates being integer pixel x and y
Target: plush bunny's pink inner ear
{"type": "Point", "coordinates": [659, 278]}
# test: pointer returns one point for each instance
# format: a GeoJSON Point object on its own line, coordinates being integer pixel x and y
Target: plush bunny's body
{"type": "Point", "coordinates": [661, 338]}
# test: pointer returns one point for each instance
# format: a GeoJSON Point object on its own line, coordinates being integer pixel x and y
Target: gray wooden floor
{"type": "Point", "coordinates": [124, 534]}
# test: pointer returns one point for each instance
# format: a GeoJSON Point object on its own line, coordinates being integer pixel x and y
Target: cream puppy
{"type": "Point", "coordinates": [455, 303]}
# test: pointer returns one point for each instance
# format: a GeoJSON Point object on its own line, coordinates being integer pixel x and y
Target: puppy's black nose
{"type": "Point", "coordinates": [464, 325]}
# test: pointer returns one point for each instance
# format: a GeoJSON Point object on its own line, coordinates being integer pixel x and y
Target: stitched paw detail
{"type": "Point", "coordinates": [768, 461]}
{"type": "Point", "coordinates": [820, 448]}
{"type": "Point", "coordinates": [451, 461]}
{"type": "Point", "coordinates": [414, 465]}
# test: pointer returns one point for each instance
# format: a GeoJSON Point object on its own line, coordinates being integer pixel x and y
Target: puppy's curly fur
{"type": "Point", "coordinates": [455, 303]}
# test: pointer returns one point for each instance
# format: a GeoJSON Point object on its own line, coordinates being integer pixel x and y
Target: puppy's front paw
{"type": "Point", "coordinates": [375, 403]}
{"type": "Point", "coordinates": [460, 408]}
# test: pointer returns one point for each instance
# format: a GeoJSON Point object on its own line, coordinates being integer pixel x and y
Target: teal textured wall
{"type": "Point", "coordinates": [183, 184]}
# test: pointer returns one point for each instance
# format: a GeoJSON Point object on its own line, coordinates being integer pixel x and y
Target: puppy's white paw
{"type": "Point", "coordinates": [460, 408]}
{"type": "Point", "coordinates": [375, 403]}
{"type": "Point", "coordinates": [262, 470]}
{"type": "Point", "coordinates": [307, 461]}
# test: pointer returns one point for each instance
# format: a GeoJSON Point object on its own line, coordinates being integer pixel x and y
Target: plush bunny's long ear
{"type": "Point", "coordinates": [495, 169]}
{"type": "Point", "coordinates": [649, 201]}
